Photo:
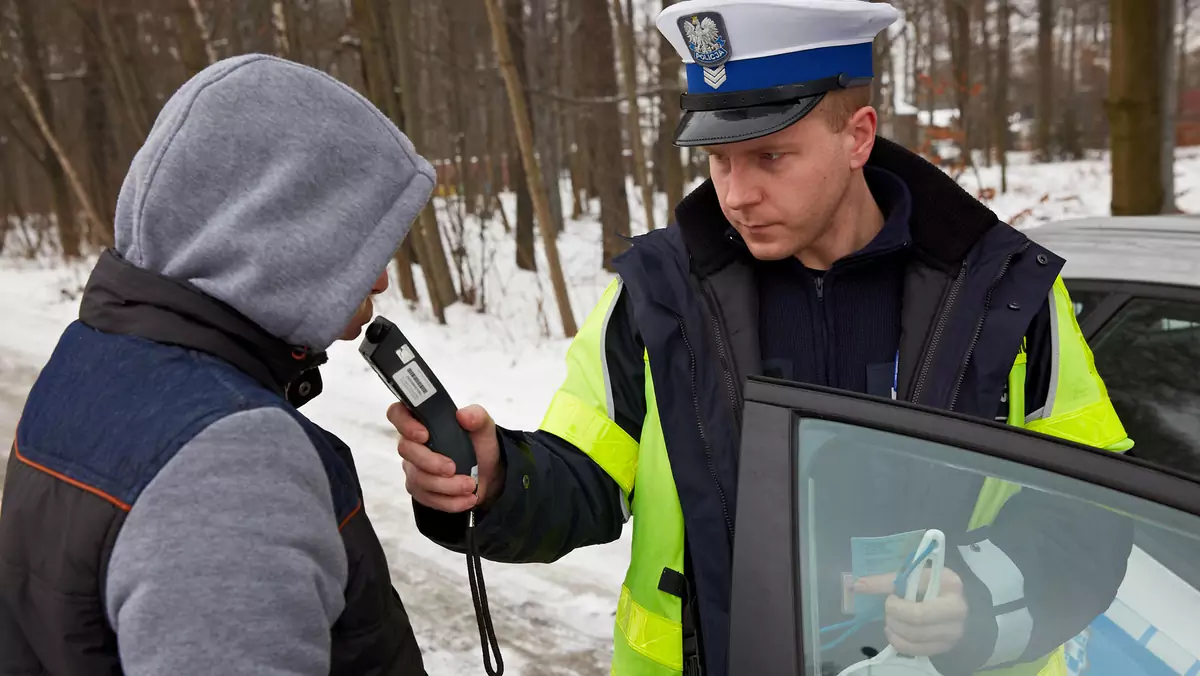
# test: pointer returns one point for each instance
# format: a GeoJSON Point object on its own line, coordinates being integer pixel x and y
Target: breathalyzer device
{"type": "Point", "coordinates": [410, 379]}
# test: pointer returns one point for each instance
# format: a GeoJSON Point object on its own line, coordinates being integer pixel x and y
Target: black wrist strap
{"type": "Point", "coordinates": [483, 616]}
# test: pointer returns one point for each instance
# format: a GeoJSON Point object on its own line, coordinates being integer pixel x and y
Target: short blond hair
{"type": "Point", "coordinates": [840, 105]}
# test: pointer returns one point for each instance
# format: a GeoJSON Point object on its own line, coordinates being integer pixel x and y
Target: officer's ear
{"type": "Point", "coordinates": [860, 131]}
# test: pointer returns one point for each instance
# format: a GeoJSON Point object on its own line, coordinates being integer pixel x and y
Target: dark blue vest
{"type": "Point", "coordinates": [110, 411]}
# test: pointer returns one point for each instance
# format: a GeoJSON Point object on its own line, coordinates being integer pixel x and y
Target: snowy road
{"type": "Point", "coordinates": [550, 619]}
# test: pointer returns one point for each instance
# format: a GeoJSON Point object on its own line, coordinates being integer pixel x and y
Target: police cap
{"type": "Point", "coordinates": [755, 67]}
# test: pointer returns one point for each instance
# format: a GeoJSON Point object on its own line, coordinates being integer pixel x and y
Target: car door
{"type": "Point", "coordinates": [1045, 537]}
{"type": "Point", "coordinates": [1146, 343]}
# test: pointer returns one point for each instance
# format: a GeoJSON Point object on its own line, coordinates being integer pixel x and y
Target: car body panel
{"type": "Point", "coordinates": [1152, 249]}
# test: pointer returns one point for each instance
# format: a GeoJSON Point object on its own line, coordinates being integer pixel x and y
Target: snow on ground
{"type": "Point", "coordinates": [1041, 192]}
{"type": "Point", "coordinates": [550, 619]}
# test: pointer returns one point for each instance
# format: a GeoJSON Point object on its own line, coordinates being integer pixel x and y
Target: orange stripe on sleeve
{"type": "Point", "coordinates": [351, 515]}
{"type": "Point", "coordinates": [80, 485]}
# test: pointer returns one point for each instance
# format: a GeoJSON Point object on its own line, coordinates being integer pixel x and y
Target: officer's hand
{"type": "Point", "coordinates": [430, 476]}
{"type": "Point", "coordinates": [924, 628]}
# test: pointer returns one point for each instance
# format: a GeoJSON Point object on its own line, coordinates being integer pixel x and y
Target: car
{"type": "Point", "coordinates": [1135, 282]}
{"type": "Point", "coordinates": [801, 527]}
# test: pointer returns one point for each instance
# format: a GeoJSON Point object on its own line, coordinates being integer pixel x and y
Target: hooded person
{"type": "Point", "coordinates": [167, 508]}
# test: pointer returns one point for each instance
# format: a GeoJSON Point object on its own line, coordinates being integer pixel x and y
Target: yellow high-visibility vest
{"type": "Point", "coordinates": [648, 636]}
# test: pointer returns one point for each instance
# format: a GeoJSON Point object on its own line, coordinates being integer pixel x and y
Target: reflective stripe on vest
{"type": "Point", "coordinates": [582, 411]}
{"type": "Point", "coordinates": [648, 635]}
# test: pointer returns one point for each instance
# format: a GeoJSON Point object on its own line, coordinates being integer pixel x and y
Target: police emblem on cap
{"type": "Point", "coordinates": [706, 38]}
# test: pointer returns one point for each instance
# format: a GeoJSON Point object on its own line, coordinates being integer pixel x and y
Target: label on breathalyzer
{"type": "Point", "coordinates": [415, 385]}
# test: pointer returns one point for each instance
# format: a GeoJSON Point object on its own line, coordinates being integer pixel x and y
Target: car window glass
{"type": "Point", "coordinates": [1044, 560]}
{"type": "Point", "coordinates": [1085, 301]}
{"type": "Point", "coordinates": [1149, 358]}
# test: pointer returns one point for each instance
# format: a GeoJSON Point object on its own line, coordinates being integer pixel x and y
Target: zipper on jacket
{"type": "Point", "coordinates": [825, 360]}
{"type": "Point", "coordinates": [708, 457]}
{"type": "Point", "coordinates": [943, 317]}
{"type": "Point", "coordinates": [727, 367]}
{"type": "Point", "coordinates": [962, 374]}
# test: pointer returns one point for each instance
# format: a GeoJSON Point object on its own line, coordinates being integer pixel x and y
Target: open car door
{"type": "Point", "coordinates": [1071, 560]}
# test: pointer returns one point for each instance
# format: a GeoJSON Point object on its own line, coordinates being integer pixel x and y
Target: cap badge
{"type": "Point", "coordinates": [707, 41]}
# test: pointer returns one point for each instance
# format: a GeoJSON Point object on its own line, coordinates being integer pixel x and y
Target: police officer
{"type": "Point", "coordinates": [818, 253]}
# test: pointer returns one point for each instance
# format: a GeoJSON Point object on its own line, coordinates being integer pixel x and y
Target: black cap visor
{"type": "Point", "coordinates": [713, 127]}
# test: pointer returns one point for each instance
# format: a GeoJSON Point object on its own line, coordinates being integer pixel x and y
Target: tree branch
{"type": "Point", "coordinates": [51, 140]}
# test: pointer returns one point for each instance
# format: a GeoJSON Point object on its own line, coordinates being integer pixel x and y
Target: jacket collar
{"type": "Point", "coordinates": [123, 299]}
{"type": "Point", "coordinates": [945, 220]}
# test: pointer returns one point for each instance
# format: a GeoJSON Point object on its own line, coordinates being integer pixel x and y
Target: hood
{"type": "Point", "coordinates": [275, 189]}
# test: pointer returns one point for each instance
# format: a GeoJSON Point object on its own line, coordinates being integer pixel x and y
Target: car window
{"type": "Point", "coordinates": [1085, 301]}
{"type": "Point", "coordinates": [1149, 358]}
{"type": "Point", "coordinates": [1043, 559]}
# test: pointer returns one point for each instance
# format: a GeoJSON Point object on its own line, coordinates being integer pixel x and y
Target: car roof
{"type": "Point", "coordinates": [1153, 249]}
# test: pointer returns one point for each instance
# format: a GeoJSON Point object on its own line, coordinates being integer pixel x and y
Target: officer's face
{"type": "Point", "coordinates": [782, 191]}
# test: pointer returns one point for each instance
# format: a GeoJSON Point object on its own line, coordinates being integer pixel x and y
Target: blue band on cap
{"type": "Point", "coordinates": [789, 68]}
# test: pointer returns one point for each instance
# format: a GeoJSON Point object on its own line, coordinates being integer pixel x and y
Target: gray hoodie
{"type": "Point", "coordinates": [282, 192]}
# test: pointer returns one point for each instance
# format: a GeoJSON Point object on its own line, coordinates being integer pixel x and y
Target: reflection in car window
{"type": "Point", "coordinates": [1032, 561]}
{"type": "Point", "coordinates": [1149, 357]}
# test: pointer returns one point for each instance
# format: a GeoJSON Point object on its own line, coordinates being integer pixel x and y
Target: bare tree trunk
{"type": "Point", "coordinates": [989, 78]}
{"type": "Point", "coordinates": [931, 61]}
{"type": "Point", "coordinates": [135, 110]}
{"type": "Point", "coordinates": [581, 143]}
{"type": "Point", "coordinates": [1000, 106]}
{"type": "Point", "coordinates": [883, 88]}
{"type": "Point", "coordinates": [378, 86]}
{"type": "Point", "coordinates": [602, 131]}
{"type": "Point", "coordinates": [668, 79]}
{"type": "Point", "coordinates": [1045, 57]}
{"type": "Point", "coordinates": [1170, 104]}
{"type": "Point", "coordinates": [520, 116]}
{"type": "Point", "coordinates": [1135, 108]}
{"type": "Point", "coordinates": [97, 126]}
{"type": "Point", "coordinates": [1181, 76]}
{"type": "Point", "coordinates": [547, 118]}
{"type": "Point", "coordinates": [1070, 139]}
{"type": "Point", "coordinates": [428, 240]}
{"type": "Point", "coordinates": [43, 124]}
{"type": "Point", "coordinates": [526, 256]}
{"type": "Point", "coordinates": [959, 15]}
{"type": "Point", "coordinates": [189, 24]}
{"type": "Point", "coordinates": [37, 95]}
{"type": "Point", "coordinates": [629, 70]}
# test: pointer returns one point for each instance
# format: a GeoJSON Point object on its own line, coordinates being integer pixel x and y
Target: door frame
{"type": "Point", "coordinates": [766, 629]}
{"type": "Point", "coordinates": [1119, 293]}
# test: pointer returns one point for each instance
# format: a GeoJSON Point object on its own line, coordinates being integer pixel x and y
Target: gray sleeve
{"type": "Point", "coordinates": [230, 561]}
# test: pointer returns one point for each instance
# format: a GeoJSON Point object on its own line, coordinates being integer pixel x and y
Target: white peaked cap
{"type": "Point", "coordinates": [768, 27]}
{"type": "Point", "coordinates": [756, 66]}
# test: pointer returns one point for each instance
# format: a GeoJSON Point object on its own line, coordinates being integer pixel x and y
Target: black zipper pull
{"type": "Point", "coordinates": [820, 287]}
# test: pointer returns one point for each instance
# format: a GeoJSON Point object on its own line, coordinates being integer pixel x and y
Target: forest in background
{"type": "Point", "coordinates": [81, 82]}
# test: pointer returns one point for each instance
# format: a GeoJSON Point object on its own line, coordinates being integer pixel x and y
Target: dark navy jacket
{"type": "Point", "coordinates": [973, 288]}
